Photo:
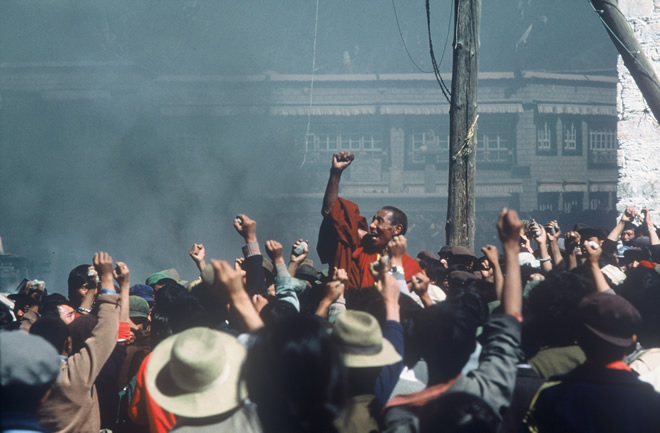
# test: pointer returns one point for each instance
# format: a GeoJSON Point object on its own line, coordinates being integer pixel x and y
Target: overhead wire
{"type": "Point", "coordinates": [311, 84]}
{"type": "Point", "coordinates": [403, 41]}
{"type": "Point", "coordinates": [650, 75]}
{"type": "Point", "coordinates": [436, 70]}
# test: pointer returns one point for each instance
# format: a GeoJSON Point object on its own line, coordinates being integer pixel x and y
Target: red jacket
{"type": "Point", "coordinates": [339, 245]}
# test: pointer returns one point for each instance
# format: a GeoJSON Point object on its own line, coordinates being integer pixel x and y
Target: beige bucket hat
{"type": "Point", "coordinates": [196, 373]}
{"type": "Point", "coordinates": [362, 341]}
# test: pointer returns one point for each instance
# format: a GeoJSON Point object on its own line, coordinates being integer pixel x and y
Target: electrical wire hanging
{"type": "Point", "coordinates": [403, 41]}
{"type": "Point", "coordinates": [311, 84]}
{"type": "Point", "coordinates": [436, 69]}
{"type": "Point", "coordinates": [611, 32]}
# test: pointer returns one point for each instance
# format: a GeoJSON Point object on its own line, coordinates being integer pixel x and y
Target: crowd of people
{"type": "Point", "coordinates": [557, 331]}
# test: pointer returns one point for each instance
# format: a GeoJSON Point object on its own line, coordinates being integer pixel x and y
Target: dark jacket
{"type": "Point", "coordinates": [594, 399]}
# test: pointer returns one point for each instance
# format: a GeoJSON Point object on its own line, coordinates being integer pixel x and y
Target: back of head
{"type": "Point", "coordinates": [642, 289]}
{"type": "Point", "coordinates": [609, 327]}
{"type": "Point", "coordinates": [295, 375]}
{"type": "Point", "coordinates": [398, 217]}
{"type": "Point", "coordinates": [445, 339]}
{"type": "Point", "coordinates": [30, 365]}
{"type": "Point", "coordinates": [458, 412]}
{"type": "Point", "coordinates": [77, 277]}
{"type": "Point", "coordinates": [53, 330]}
{"type": "Point", "coordinates": [552, 309]}
{"type": "Point", "coordinates": [275, 310]}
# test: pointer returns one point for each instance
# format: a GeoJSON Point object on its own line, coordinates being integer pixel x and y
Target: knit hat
{"type": "Point", "coordinates": [138, 307]}
{"type": "Point", "coordinates": [362, 341]}
{"type": "Point", "coordinates": [195, 373]}
{"type": "Point", "coordinates": [143, 291]}
{"type": "Point", "coordinates": [27, 360]}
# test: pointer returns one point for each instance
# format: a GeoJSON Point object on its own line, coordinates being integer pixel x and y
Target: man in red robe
{"type": "Point", "coordinates": [347, 242]}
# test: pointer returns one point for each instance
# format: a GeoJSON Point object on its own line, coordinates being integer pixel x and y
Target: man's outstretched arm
{"type": "Point", "coordinates": [339, 163]}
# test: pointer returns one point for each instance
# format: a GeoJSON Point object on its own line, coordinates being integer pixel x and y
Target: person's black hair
{"type": "Point", "coordinates": [485, 289]}
{"type": "Point", "coordinates": [435, 270]}
{"type": "Point", "coordinates": [598, 350]}
{"type": "Point", "coordinates": [50, 303]}
{"type": "Point", "coordinates": [642, 289]}
{"type": "Point", "coordinates": [22, 398]}
{"type": "Point", "coordinates": [166, 297]}
{"type": "Point", "coordinates": [77, 278]}
{"type": "Point", "coordinates": [526, 272]}
{"type": "Point", "coordinates": [367, 299]}
{"type": "Point", "coordinates": [398, 217]}
{"type": "Point", "coordinates": [446, 337]}
{"type": "Point", "coordinates": [423, 259]}
{"type": "Point", "coordinates": [166, 281]}
{"type": "Point", "coordinates": [552, 309]}
{"type": "Point", "coordinates": [216, 307]}
{"type": "Point", "coordinates": [275, 310]}
{"type": "Point", "coordinates": [53, 330]}
{"type": "Point", "coordinates": [6, 318]}
{"type": "Point", "coordinates": [160, 326]}
{"type": "Point", "coordinates": [296, 376]}
{"type": "Point", "coordinates": [458, 412]}
{"type": "Point", "coordinates": [188, 313]}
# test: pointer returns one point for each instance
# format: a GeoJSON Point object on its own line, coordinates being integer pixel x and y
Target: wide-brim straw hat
{"type": "Point", "coordinates": [196, 373]}
{"type": "Point", "coordinates": [362, 341]}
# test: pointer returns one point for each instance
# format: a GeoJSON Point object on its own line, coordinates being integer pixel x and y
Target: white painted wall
{"type": "Point", "coordinates": [638, 131]}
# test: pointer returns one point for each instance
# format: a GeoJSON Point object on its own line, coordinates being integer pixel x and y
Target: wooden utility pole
{"type": "Point", "coordinates": [463, 124]}
{"type": "Point", "coordinates": [633, 57]}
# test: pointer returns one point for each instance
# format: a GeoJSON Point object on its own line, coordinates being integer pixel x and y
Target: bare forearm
{"type": "Point", "coordinates": [599, 279]}
{"type": "Point", "coordinates": [616, 231]}
{"type": "Point", "coordinates": [245, 309]}
{"type": "Point", "coordinates": [392, 311]}
{"type": "Point", "coordinates": [555, 252]}
{"type": "Point", "coordinates": [512, 291]}
{"type": "Point", "coordinates": [323, 308]}
{"type": "Point", "coordinates": [498, 278]}
{"type": "Point", "coordinates": [331, 192]}
{"type": "Point", "coordinates": [653, 236]}
{"type": "Point", "coordinates": [570, 259]}
{"type": "Point", "coordinates": [124, 305]}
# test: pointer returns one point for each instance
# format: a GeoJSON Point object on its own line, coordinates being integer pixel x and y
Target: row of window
{"type": "Point", "coordinates": [563, 135]}
{"type": "Point", "coordinates": [574, 201]}
{"type": "Point", "coordinates": [495, 140]}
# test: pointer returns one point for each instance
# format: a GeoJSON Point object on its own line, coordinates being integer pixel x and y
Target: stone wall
{"type": "Point", "coordinates": [638, 131]}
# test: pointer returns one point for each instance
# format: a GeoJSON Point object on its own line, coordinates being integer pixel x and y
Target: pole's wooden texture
{"type": "Point", "coordinates": [462, 124]}
{"type": "Point", "coordinates": [633, 57]}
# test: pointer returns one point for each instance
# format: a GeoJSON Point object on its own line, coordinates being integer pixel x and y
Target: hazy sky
{"type": "Point", "coordinates": [81, 176]}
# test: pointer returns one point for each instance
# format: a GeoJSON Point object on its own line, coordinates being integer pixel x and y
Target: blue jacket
{"type": "Point", "coordinates": [594, 399]}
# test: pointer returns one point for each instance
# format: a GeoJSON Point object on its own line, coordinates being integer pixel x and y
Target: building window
{"type": "Point", "coordinates": [423, 144]}
{"type": "Point", "coordinates": [599, 200]}
{"type": "Point", "coordinates": [548, 201]}
{"type": "Point", "coordinates": [324, 139]}
{"type": "Point", "coordinates": [571, 136]}
{"type": "Point", "coordinates": [496, 140]}
{"type": "Point", "coordinates": [602, 144]}
{"type": "Point", "coordinates": [544, 138]}
{"type": "Point", "coordinates": [546, 135]}
{"type": "Point", "coordinates": [573, 202]}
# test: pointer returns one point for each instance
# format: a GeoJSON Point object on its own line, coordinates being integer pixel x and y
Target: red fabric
{"type": "Point", "coordinates": [360, 276]}
{"type": "Point", "coordinates": [124, 331]}
{"type": "Point", "coordinates": [144, 410]}
{"type": "Point", "coordinates": [339, 245]}
{"type": "Point", "coordinates": [422, 397]}
{"type": "Point", "coordinates": [618, 365]}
